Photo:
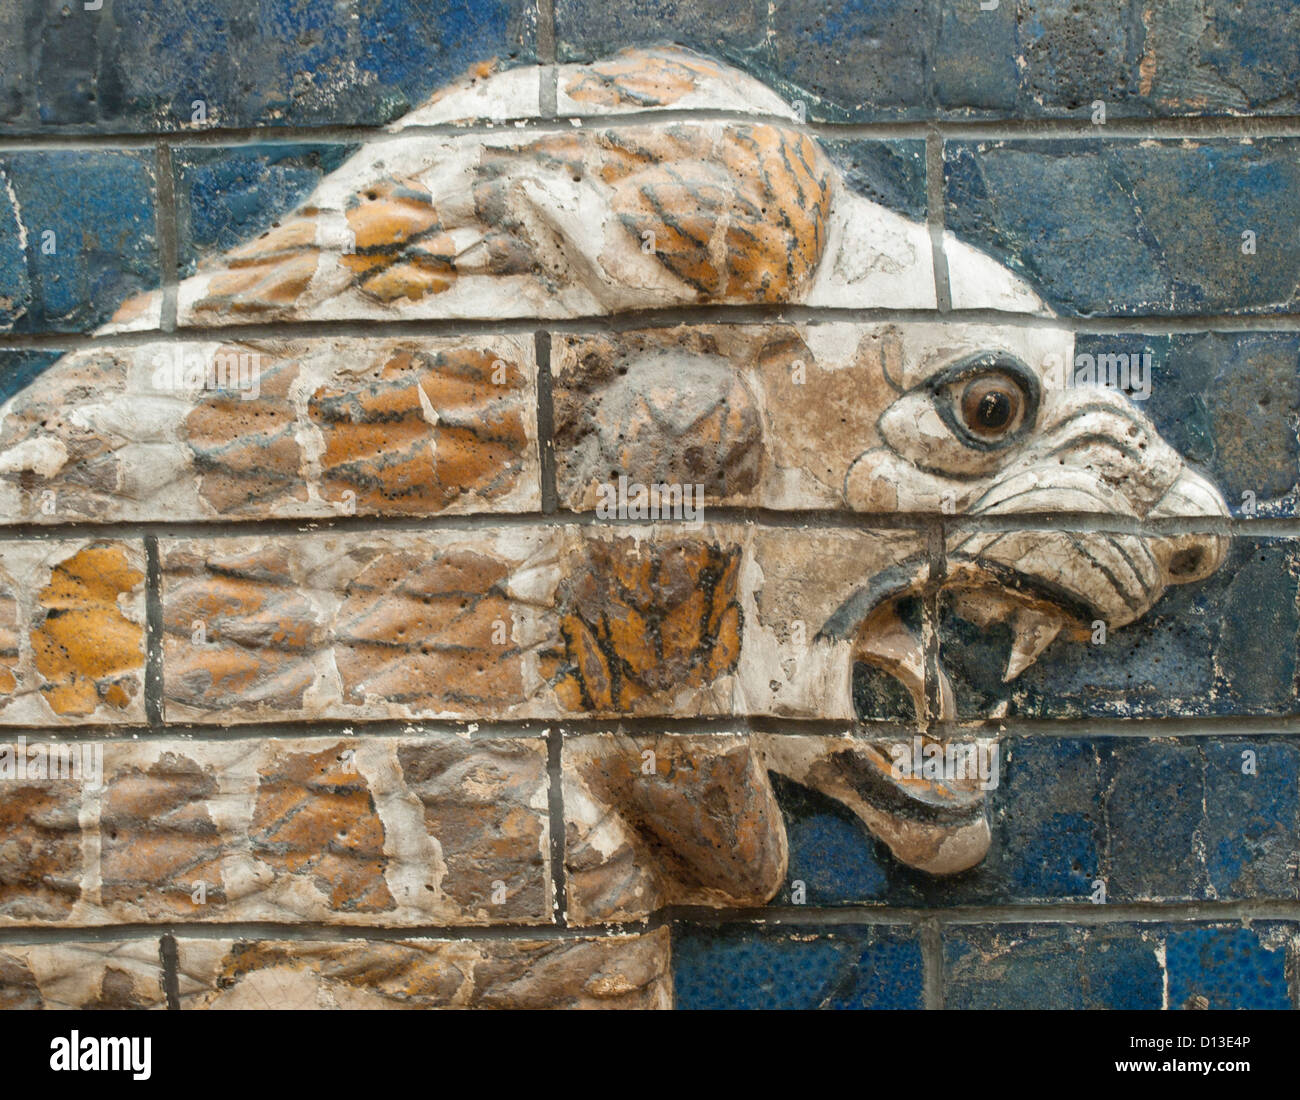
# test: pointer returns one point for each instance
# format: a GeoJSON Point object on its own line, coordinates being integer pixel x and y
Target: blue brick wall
{"type": "Point", "coordinates": [1123, 763]}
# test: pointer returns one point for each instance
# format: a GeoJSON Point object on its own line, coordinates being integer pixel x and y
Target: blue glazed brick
{"type": "Point", "coordinates": [735, 967]}
{"type": "Point", "coordinates": [15, 77]}
{"type": "Point", "coordinates": [1226, 645]}
{"type": "Point", "coordinates": [1077, 52]}
{"type": "Point", "coordinates": [865, 59]}
{"type": "Point", "coordinates": [1238, 968]}
{"type": "Point", "coordinates": [1212, 58]}
{"type": "Point", "coordinates": [1128, 228]}
{"type": "Point", "coordinates": [1056, 57]}
{"type": "Point", "coordinates": [1228, 402]}
{"type": "Point", "coordinates": [138, 67]}
{"type": "Point", "coordinates": [18, 367]}
{"type": "Point", "coordinates": [100, 207]}
{"type": "Point", "coordinates": [1251, 836]}
{"type": "Point", "coordinates": [1051, 966]}
{"type": "Point", "coordinates": [1047, 838]}
{"type": "Point", "coordinates": [831, 851]}
{"type": "Point", "coordinates": [586, 31]}
{"type": "Point", "coordinates": [1045, 58]}
{"type": "Point", "coordinates": [1153, 797]}
{"type": "Point", "coordinates": [227, 196]}
{"type": "Point", "coordinates": [975, 66]}
{"type": "Point", "coordinates": [855, 58]}
{"type": "Point", "coordinates": [891, 173]}
{"type": "Point", "coordinates": [1154, 819]}
{"type": "Point", "coordinates": [1184, 821]}
{"type": "Point", "coordinates": [1047, 823]}
{"type": "Point", "coordinates": [844, 59]}
{"type": "Point", "coordinates": [15, 287]}
{"type": "Point", "coordinates": [1124, 966]}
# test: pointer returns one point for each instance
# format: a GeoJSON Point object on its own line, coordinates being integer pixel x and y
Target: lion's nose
{"type": "Point", "coordinates": [1190, 557]}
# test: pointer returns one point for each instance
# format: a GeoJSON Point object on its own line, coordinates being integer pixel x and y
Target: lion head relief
{"type": "Point", "coordinates": [782, 344]}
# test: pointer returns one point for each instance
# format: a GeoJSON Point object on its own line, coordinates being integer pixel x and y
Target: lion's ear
{"type": "Point", "coordinates": [739, 216]}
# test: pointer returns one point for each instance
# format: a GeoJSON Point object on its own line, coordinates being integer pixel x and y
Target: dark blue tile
{"type": "Point", "coordinates": [1047, 824]}
{"type": "Point", "coordinates": [1074, 52]}
{"type": "Point", "coordinates": [864, 59]}
{"type": "Point", "coordinates": [831, 852]}
{"type": "Point", "coordinates": [15, 284]}
{"type": "Point", "coordinates": [19, 367]}
{"type": "Point", "coordinates": [734, 967]}
{"type": "Point", "coordinates": [1238, 968]}
{"type": "Point", "coordinates": [1051, 966]}
{"type": "Point", "coordinates": [226, 196]}
{"type": "Point", "coordinates": [1046, 814]}
{"type": "Point", "coordinates": [83, 224]}
{"type": "Point", "coordinates": [1229, 402]}
{"type": "Point", "coordinates": [854, 58]}
{"type": "Point", "coordinates": [1130, 228]}
{"type": "Point", "coordinates": [139, 66]}
{"type": "Point", "coordinates": [1153, 794]}
{"type": "Point", "coordinates": [1153, 819]}
{"type": "Point", "coordinates": [1244, 57]}
{"type": "Point", "coordinates": [1251, 835]}
{"type": "Point", "coordinates": [586, 31]}
{"type": "Point", "coordinates": [891, 173]}
{"type": "Point", "coordinates": [843, 59]}
{"type": "Point", "coordinates": [975, 58]}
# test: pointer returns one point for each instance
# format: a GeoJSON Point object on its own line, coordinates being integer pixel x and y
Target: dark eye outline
{"type": "Point", "coordinates": [943, 384]}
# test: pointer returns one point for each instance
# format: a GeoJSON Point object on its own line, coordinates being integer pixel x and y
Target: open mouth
{"type": "Point", "coordinates": [1036, 610]}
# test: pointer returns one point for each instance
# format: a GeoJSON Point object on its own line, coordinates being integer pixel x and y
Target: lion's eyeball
{"type": "Point", "coordinates": [991, 406]}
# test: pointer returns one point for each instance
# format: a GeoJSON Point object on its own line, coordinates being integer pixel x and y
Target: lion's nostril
{"type": "Point", "coordinates": [1186, 562]}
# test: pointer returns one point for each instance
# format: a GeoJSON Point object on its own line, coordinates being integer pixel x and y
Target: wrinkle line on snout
{"type": "Point", "coordinates": [980, 502]}
{"type": "Point", "coordinates": [1149, 590]}
{"type": "Point", "coordinates": [1134, 604]}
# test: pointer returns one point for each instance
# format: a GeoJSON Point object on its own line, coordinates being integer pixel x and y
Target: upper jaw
{"type": "Point", "coordinates": [1041, 584]}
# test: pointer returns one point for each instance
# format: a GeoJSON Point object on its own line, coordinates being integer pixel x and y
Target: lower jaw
{"type": "Point", "coordinates": [937, 827]}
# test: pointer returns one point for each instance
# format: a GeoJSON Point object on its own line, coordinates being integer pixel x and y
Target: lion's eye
{"type": "Point", "coordinates": [991, 405]}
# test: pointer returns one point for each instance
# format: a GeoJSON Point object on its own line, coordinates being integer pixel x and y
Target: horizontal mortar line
{"type": "Point", "coordinates": [667, 317]}
{"type": "Point", "coordinates": [949, 127]}
{"type": "Point", "coordinates": [478, 521]}
{"type": "Point", "coordinates": [388, 132]}
{"type": "Point", "coordinates": [317, 729]}
{"type": "Point", "coordinates": [712, 517]}
{"type": "Point", "coordinates": [308, 728]}
{"type": "Point", "coordinates": [849, 914]}
{"type": "Point", "coordinates": [1045, 912]}
{"type": "Point", "coordinates": [1226, 127]}
{"type": "Point", "coordinates": [312, 930]}
{"type": "Point", "coordinates": [1222, 726]}
{"type": "Point", "coordinates": [1227, 727]}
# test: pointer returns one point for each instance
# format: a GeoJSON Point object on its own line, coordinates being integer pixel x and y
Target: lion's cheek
{"type": "Point", "coordinates": [868, 488]}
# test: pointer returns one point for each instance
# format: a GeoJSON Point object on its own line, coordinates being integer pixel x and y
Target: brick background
{"type": "Point", "coordinates": [468, 821]}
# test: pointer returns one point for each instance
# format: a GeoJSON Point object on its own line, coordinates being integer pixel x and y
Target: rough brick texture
{"type": "Point", "coordinates": [482, 484]}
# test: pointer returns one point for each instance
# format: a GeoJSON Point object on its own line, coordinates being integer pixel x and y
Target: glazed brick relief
{"type": "Point", "coordinates": [490, 495]}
